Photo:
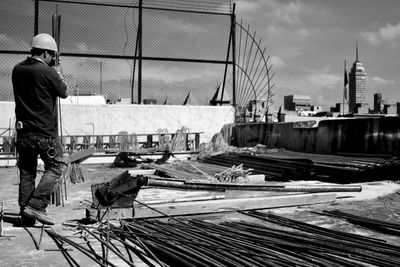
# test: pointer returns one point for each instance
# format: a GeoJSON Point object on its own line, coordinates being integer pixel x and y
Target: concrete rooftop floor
{"type": "Point", "coordinates": [17, 247]}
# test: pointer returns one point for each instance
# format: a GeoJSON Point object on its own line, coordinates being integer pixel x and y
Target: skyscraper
{"type": "Point", "coordinates": [378, 103]}
{"type": "Point", "coordinates": [357, 82]}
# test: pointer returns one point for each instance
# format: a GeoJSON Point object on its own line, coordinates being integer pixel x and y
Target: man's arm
{"type": "Point", "coordinates": [60, 84]}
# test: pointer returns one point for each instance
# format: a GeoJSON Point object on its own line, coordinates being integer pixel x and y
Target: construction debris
{"type": "Point", "coordinates": [216, 145]}
{"type": "Point", "coordinates": [122, 190]}
{"type": "Point", "coordinates": [72, 173]}
{"type": "Point", "coordinates": [119, 192]}
{"type": "Point", "coordinates": [234, 174]}
{"type": "Point", "coordinates": [124, 159]}
{"type": "Point", "coordinates": [80, 156]}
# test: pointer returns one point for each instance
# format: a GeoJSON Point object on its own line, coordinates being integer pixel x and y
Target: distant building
{"type": "Point", "coordinates": [340, 108]}
{"type": "Point", "coordinates": [123, 101]}
{"type": "Point", "coordinates": [316, 108]}
{"type": "Point", "coordinates": [390, 109]}
{"type": "Point", "coordinates": [257, 109]}
{"type": "Point", "coordinates": [398, 108]}
{"type": "Point", "coordinates": [357, 83]}
{"type": "Point", "coordinates": [378, 103]}
{"type": "Point", "coordinates": [313, 110]}
{"type": "Point", "coordinates": [297, 102]}
{"type": "Point", "coordinates": [361, 108]}
{"type": "Point", "coordinates": [150, 101]}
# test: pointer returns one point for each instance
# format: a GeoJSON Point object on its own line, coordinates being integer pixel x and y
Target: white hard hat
{"type": "Point", "coordinates": [44, 41]}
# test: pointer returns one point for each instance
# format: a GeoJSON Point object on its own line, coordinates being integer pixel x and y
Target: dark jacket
{"type": "Point", "coordinates": [36, 87]}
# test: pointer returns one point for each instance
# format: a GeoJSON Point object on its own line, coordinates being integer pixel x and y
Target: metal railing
{"type": "Point", "coordinates": [174, 142]}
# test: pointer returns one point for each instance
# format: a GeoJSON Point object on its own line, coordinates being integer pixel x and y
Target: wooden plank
{"type": "Point", "coordinates": [256, 178]}
{"type": "Point", "coordinates": [189, 199]}
{"type": "Point", "coordinates": [135, 172]}
{"type": "Point", "coordinates": [224, 205]}
{"type": "Point", "coordinates": [79, 156]}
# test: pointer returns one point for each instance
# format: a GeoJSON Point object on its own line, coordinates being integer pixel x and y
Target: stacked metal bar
{"type": "Point", "coordinates": [284, 166]}
{"type": "Point", "coordinates": [279, 241]}
{"type": "Point", "coordinates": [376, 225]}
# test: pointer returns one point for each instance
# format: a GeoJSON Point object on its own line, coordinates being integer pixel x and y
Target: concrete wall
{"type": "Point", "coordinates": [359, 135]}
{"type": "Point", "coordinates": [111, 119]}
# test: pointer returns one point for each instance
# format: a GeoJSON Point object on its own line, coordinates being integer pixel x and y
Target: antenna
{"type": "Point", "coordinates": [356, 51]}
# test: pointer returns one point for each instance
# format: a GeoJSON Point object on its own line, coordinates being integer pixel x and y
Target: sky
{"type": "Point", "coordinates": [308, 42]}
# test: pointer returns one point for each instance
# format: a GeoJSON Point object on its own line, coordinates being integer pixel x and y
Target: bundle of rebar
{"type": "Point", "coordinates": [278, 242]}
{"type": "Point", "coordinates": [73, 173]}
{"type": "Point", "coordinates": [350, 249]}
{"type": "Point", "coordinates": [376, 225]}
{"type": "Point", "coordinates": [178, 142]}
{"type": "Point", "coordinates": [284, 166]}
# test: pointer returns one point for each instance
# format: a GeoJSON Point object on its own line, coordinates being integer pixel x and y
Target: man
{"type": "Point", "coordinates": [36, 86]}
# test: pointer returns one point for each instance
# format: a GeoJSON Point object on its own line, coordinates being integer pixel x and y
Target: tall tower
{"type": "Point", "coordinates": [357, 82]}
{"type": "Point", "coordinates": [378, 103]}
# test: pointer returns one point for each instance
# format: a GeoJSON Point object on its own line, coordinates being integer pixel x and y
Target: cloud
{"type": "Point", "coordinates": [325, 80]}
{"type": "Point", "coordinates": [303, 33]}
{"type": "Point", "coordinates": [277, 62]}
{"type": "Point", "coordinates": [180, 25]}
{"type": "Point", "coordinates": [248, 6]}
{"type": "Point", "coordinates": [88, 48]}
{"type": "Point", "coordinates": [388, 33]}
{"type": "Point", "coordinates": [274, 11]}
{"type": "Point", "coordinates": [8, 42]}
{"type": "Point", "coordinates": [382, 81]}
{"type": "Point", "coordinates": [289, 13]}
{"type": "Point", "coordinates": [82, 47]}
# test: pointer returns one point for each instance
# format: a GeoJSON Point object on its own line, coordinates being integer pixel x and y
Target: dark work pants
{"type": "Point", "coordinates": [51, 153]}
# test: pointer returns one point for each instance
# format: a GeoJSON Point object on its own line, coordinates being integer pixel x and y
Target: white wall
{"type": "Point", "coordinates": [111, 119]}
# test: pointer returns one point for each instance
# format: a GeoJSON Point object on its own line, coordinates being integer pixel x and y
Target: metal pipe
{"type": "Point", "coordinates": [140, 50]}
{"type": "Point", "coordinates": [255, 187]}
{"type": "Point", "coordinates": [233, 26]}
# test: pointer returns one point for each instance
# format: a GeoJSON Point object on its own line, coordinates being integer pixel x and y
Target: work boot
{"type": "Point", "coordinates": [27, 221]}
{"type": "Point", "coordinates": [38, 215]}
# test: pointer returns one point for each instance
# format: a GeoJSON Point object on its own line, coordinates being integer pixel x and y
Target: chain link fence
{"type": "Point", "coordinates": [185, 47]}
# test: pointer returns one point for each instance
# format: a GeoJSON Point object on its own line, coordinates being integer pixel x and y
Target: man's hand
{"type": "Point", "coordinates": [55, 61]}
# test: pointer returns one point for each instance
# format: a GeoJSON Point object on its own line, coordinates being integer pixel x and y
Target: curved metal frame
{"type": "Point", "coordinates": [260, 88]}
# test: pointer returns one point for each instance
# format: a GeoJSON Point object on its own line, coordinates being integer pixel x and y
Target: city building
{"type": "Point", "coordinates": [316, 108]}
{"type": "Point", "coordinates": [390, 109]}
{"type": "Point", "coordinates": [378, 103]}
{"type": "Point", "coordinates": [357, 83]}
{"type": "Point", "coordinates": [297, 102]}
{"type": "Point", "coordinates": [150, 101]}
{"type": "Point", "coordinates": [342, 108]}
{"type": "Point", "coordinates": [257, 109]}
